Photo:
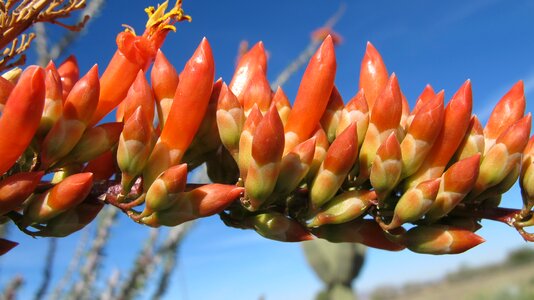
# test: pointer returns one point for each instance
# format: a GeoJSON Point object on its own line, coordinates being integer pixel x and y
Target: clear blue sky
{"type": "Point", "coordinates": [437, 42]}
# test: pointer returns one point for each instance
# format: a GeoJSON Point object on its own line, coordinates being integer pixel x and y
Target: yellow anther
{"type": "Point", "coordinates": [158, 19]}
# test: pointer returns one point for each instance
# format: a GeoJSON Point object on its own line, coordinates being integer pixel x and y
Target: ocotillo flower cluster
{"type": "Point", "coordinates": [320, 168]}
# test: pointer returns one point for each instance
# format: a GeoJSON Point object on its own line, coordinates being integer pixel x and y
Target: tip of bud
{"type": "Point", "coordinates": [343, 152]}
{"type": "Point", "coordinates": [6, 246]}
{"type": "Point", "coordinates": [37, 78]}
{"type": "Point", "coordinates": [327, 48]}
{"type": "Point", "coordinates": [268, 142]}
{"type": "Point", "coordinates": [205, 47]}
{"type": "Point", "coordinates": [260, 45]}
{"type": "Point", "coordinates": [51, 66]}
{"type": "Point", "coordinates": [93, 73]}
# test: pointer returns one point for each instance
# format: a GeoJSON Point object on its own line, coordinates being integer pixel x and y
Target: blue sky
{"type": "Point", "coordinates": [436, 42]}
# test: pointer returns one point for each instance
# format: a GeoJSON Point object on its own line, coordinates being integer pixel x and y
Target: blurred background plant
{"type": "Point", "coordinates": [337, 265]}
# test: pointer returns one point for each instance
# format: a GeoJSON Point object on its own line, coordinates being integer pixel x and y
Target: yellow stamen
{"type": "Point", "coordinates": [128, 28]}
{"type": "Point", "coordinates": [158, 19]}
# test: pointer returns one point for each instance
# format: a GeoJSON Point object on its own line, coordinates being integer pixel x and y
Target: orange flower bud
{"type": "Point", "coordinates": [77, 111]}
{"type": "Point", "coordinates": [441, 239]}
{"type": "Point", "coordinates": [21, 116]}
{"type": "Point", "coordinates": [508, 110]}
{"type": "Point", "coordinates": [166, 188]}
{"type": "Point", "coordinates": [276, 226]}
{"type": "Point", "coordinates": [94, 142]}
{"type": "Point", "coordinates": [332, 114]}
{"type": "Point", "coordinates": [385, 119]}
{"type": "Point", "coordinates": [455, 123]}
{"type": "Point", "coordinates": [282, 104]}
{"type": "Point", "coordinates": [356, 111]}
{"type": "Point", "coordinates": [426, 95]}
{"type": "Point", "coordinates": [135, 144]}
{"type": "Point", "coordinates": [201, 202]}
{"type": "Point", "coordinates": [386, 168]}
{"type": "Point", "coordinates": [69, 73]}
{"type": "Point", "coordinates": [366, 232]}
{"type": "Point", "coordinates": [63, 196]}
{"type": "Point", "coordinates": [187, 111]}
{"type": "Point", "coordinates": [373, 75]}
{"type": "Point", "coordinates": [321, 146]}
{"type": "Point", "coordinates": [414, 203]}
{"type": "Point", "coordinates": [404, 115]}
{"type": "Point", "coordinates": [257, 92]}
{"type": "Point", "coordinates": [422, 132]}
{"type": "Point", "coordinates": [501, 158]}
{"type": "Point", "coordinates": [245, 141]}
{"type": "Point", "coordinates": [230, 119]}
{"type": "Point", "coordinates": [53, 106]}
{"type": "Point", "coordinates": [17, 188]}
{"type": "Point", "coordinates": [164, 80]}
{"type": "Point", "coordinates": [344, 207]}
{"type": "Point", "coordinates": [473, 142]}
{"type": "Point", "coordinates": [139, 95]}
{"type": "Point", "coordinates": [249, 62]}
{"type": "Point", "coordinates": [339, 159]}
{"type": "Point", "coordinates": [456, 182]}
{"type": "Point", "coordinates": [266, 154]}
{"type": "Point", "coordinates": [294, 167]}
{"type": "Point", "coordinates": [312, 96]}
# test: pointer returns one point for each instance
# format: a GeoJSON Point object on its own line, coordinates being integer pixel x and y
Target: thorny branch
{"type": "Point", "coordinates": [17, 16]}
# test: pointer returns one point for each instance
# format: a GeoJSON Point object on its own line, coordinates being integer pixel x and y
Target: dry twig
{"type": "Point", "coordinates": [17, 16]}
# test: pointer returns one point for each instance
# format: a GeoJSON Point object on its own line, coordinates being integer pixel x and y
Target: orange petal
{"type": "Point", "coordinates": [313, 93]}
{"type": "Point", "coordinates": [373, 75]}
{"type": "Point", "coordinates": [21, 116]}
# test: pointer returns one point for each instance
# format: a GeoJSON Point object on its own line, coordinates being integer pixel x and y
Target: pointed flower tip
{"type": "Point", "coordinates": [83, 178]}
{"type": "Point", "coordinates": [93, 72]}
{"type": "Point", "coordinates": [160, 61]}
{"type": "Point", "coordinates": [467, 84]}
{"type": "Point", "coordinates": [260, 45]}
{"type": "Point", "coordinates": [205, 45]}
{"type": "Point", "coordinates": [175, 178]}
{"type": "Point", "coordinates": [391, 146]}
{"type": "Point", "coordinates": [516, 136]}
{"type": "Point", "coordinates": [70, 192]}
{"type": "Point", "coordinates": [520, 85]}
{"type": "Point", "coordinates": [51, 66]}
{"type": "Point", "coordinates": [327, 47]}
{"type": "Point", "coordinates": [268, 142]}
{"type": "Point", "coordinates": [6, 246]}
{"type": "Point", "coordinates": [370, 48]}
{"type": "Point", "coordinates": [343, 152]}
{"type": "Point", "coordinates": [37, 78]}
{"type": "Point", "coordinates": [137, 127]}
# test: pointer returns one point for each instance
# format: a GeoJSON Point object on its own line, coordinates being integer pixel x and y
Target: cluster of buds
{"type": "Point", "coordinates": [355, 172]}
{"type": "Point", "coordinates": [360, 171]}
